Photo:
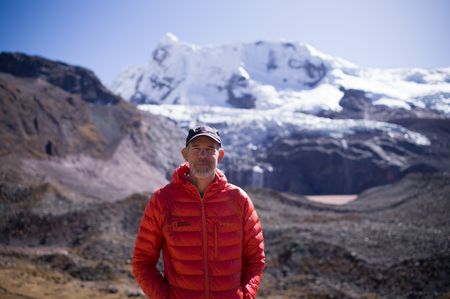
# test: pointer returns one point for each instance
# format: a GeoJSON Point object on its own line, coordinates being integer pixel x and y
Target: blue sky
{"type": "Point", "coordinates": [107, 35]}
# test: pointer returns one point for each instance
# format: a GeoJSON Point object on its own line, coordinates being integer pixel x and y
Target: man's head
{"type": "Point", "coordinates": [203, 131]}
{"type": "Point", "coordinates": [203, 151]}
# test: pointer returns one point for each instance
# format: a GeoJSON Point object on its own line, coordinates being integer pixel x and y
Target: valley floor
{"type": "Point", "coordinates": [390, 242]}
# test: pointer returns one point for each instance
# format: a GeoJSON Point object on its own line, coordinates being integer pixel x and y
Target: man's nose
{"type": "Point", "coordinates": [203, 152]}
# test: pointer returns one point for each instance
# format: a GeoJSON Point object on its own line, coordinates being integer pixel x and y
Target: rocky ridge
{"type": "Point", "coordinates": [60, 125]}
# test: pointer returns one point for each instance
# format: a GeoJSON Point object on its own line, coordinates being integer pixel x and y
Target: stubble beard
{"type": "Point", "coordinates": [204, 170]}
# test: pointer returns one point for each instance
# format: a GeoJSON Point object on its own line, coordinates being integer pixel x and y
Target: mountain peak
{"type": "Point", "coordinates": [169, 38]}
{"type": "Point", "coordinates": [227, 75]}
{"type": "Point", "coordinates": [270, 74]}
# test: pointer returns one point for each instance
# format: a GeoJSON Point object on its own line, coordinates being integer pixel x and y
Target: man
{"type": "Point", "coordinates": [208, 230]}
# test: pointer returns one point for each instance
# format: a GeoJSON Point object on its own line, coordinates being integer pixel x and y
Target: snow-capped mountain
{"type": "Point", "coordinates": [267, 75]}
{"type": "Point", "coordinates": [267, 96]}
{"type": "Point", "coordinates": [259, 75]}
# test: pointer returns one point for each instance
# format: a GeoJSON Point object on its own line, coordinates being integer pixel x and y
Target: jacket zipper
{"type": "Point", "coordinates": [205, 248]}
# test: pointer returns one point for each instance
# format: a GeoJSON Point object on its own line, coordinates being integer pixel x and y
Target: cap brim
{"type": "Point", "coordinates": [207, 135]}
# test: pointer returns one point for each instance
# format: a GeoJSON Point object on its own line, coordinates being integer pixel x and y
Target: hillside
{"type": "Point", "coordinates": [59, 125]}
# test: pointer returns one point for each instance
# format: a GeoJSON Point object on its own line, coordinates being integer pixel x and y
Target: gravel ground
{"type": "Point", "coordinates": [391, 242]}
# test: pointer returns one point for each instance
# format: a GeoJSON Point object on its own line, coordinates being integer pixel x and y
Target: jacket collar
{"type": "Point", "coordinates": [180, 177]}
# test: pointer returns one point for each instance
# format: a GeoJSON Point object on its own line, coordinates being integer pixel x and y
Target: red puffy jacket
{"type": "Point", "coordinates": [212, 247]}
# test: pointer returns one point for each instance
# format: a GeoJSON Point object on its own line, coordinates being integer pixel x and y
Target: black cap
{"type": "Point", "coordinates": [203, 131]}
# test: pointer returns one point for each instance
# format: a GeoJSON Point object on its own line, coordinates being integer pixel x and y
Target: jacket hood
{"type": "Point", "coordinates": [180, 176]}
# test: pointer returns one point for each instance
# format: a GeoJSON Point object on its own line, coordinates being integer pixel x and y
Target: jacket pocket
{"type": "Point", "coordinates": [216, 241]}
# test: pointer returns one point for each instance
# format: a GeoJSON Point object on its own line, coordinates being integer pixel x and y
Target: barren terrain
{"type": "Point", "coordinates": [391, 242]}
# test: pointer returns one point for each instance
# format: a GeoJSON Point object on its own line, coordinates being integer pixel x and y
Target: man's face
{"type": "Point", "coordinates": [203, 154]}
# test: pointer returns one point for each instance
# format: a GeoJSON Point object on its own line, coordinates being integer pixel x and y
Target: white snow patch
{"type": "Point", "coordinates": [392, 103]}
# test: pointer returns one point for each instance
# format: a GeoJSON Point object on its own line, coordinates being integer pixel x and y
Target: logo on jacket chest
{"type": "Point", "coordinates": [182, 224]}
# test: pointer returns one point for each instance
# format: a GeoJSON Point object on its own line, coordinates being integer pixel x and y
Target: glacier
{"type": "Point", "coordinates": [266, 75]}
{"type": "Point", "coordinates": [259, 93]}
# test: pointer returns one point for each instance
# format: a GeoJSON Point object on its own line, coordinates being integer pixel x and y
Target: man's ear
{"type": "Point", "coordinates": [184, 152]}
{"type": "Point", "coordinates": [221, 154]}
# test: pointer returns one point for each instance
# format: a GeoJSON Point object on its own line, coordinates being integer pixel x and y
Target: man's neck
{"type": "Point", "coordinates": [201, 183]}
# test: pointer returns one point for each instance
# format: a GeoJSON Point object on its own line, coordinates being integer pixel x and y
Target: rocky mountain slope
{"type": "Point", "coordinates": [294, 119]}
{"type": "Point", "coordinates": [60, 125]}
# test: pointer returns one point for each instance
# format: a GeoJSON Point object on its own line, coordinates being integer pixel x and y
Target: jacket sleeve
{"type": "Point", "coordinates": [253, 252]}
{"type": "Point", "coordinates": [147, 249]}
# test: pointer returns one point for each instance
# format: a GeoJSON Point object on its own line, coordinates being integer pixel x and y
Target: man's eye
{"type": "Point", "coordinates": [206, 150]}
